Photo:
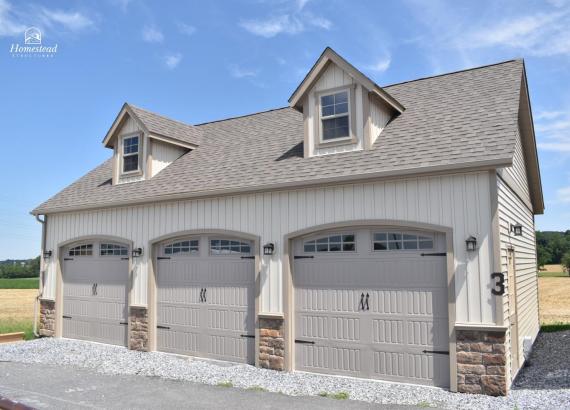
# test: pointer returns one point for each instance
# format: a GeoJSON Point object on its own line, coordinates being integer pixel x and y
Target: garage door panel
{"type": "Point", "coordinates": [406, 314]}
{"type": "Point", "coordinates": [95, 290]}
{"type": "Point", "coordinates": [178, 340]}
{"type": "Point", "coordinates": [208, 302]}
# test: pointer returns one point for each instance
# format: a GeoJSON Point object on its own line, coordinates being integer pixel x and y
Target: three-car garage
{"type": "Point", "coordinates": [366, 302]}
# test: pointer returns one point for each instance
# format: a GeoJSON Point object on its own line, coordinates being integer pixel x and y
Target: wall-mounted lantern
{"type": "Point", "coordinates": [471, 243]}
{"type": "Point", "coordinates": [268, 248]}
{"type": "Point", "coordinates": [516, 229]}
{"type": "Point", "coordinates": [47, 254]}
{"type": "Point", "coordinates": [137, 252]}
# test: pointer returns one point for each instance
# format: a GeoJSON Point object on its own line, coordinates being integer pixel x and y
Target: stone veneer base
{"type": "Point", "coordinates": [481, 362]}
{"type": "Point", "coordinates": [47, 318]}
{"type": "Point", "coordinates": [138, 328]}
{"type": "Point", "coordinates": [271, 344]}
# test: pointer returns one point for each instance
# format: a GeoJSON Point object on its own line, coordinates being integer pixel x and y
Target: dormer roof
{"type": "Point", "coordinates": [330, 56]}
{"type": "Point", "coordinates": [156, 126]}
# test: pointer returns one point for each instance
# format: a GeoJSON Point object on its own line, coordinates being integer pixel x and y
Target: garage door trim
{"type": "Point", "coordinates": [154, 251]}
{"type": "Point", "coordinates": [288, 290]}
{"type": "Point", "coordinates": [59, 272]}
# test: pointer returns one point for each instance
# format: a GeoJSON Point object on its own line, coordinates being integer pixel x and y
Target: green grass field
{"type": "Point", "coordinates": [26, 326]}
{"type": "Point", "coordinates": [25, 283]}
{"type": "Point", "coordinates": [552, 274]}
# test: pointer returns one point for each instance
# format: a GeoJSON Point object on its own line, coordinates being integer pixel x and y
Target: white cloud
{"type": "Point", "coordinates": [14, 21]}
{"type": "Point", "coordinates": [186, 29]}
{"type": "Point", "coordinates": [72, 20]}
{"type": "Point", "coordinates": [151, 34]}
{"type": "Point", "coordinates": [9, 26]}
{"type": "Point", "coordinates": [291, 20]}
{"type": "Point", "coordinates": [273, 26]}
{"type": "Point", "coordinates": [563, 195]}
{"type": "Point", "coordinates": [123, 4]}
{"type": "Point", "coordinates": [548, 115]}
{"type": "Point", "coordinates": [240, 72]}
{"type": "Point", "coordinates": [380, 65]}
{"type": "Point", "coordinates": [553, 131]}
{"type": "Point", "coordinates": [172, 60]}
{"type": "Point", "coordinates": [540, 34]}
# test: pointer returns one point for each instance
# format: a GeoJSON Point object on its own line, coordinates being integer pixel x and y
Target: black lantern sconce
{"type": "Point", "coordinates": [516, 229]}
{"type": "Point", "coordinates": [47, 254]}
{"type": "Point", "coordinates": [137, 252]}
{"type": "Point", "coordinates": [471, 243]}
{"type": "Point", "coordinates": [268, 248]}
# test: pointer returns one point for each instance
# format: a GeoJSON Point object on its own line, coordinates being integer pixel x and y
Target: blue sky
{"type": "Point", "coordinates": [201, 61]}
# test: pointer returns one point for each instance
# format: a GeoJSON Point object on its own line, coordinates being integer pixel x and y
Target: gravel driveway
{"type": "Point", "coordinates": [543, 384]}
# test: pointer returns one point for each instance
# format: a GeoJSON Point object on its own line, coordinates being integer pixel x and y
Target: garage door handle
{"type": "Point", "coordinates": [304, 342]}
{"type": "Point", "coordinates": [303, 257]}
{"type": "Point", "coordinates": [367, 306]}
{"type": "Point", "coordinates": [162, 327]}
{"type": "Point", "coordinates": [361, 304]}
{"type": "Point", "coordinates": [436, 351]}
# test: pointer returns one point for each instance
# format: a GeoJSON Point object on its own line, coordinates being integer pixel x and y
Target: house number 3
{"type": "Point", "coordinates": [499, 288]}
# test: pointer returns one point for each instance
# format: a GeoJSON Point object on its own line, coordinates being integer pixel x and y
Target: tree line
{"type": "Point", "coordinates": [553, 248]}
{"type": "Point", "coordinates": [28, 268]}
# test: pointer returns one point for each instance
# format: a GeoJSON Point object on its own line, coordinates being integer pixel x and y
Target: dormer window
{"type": "Point", "coordinates": [335, 116]}
{"type": "Point", "coordinates": [130, 155]}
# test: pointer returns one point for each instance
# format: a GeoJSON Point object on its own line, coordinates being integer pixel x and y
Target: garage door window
{"type": "Point", "coordinates": [332, 243]}
{"type": "Point", "coordinates": [184, 247]}
{"type": "Point", "coordinates": [395, 241]}
{"type": "Point", "coordinates": [112, 249]}
{"type": "Point", "coordinates": [81, 250]}
{"type": "Point", "coordinates": [229, 247]}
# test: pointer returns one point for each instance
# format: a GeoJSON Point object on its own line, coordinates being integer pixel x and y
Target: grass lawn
{"type": "Point", "coordinates": [24, 283]}
{"type": "Point", "coordinates": [552, 274]}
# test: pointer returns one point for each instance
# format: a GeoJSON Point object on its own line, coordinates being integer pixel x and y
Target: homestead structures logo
{"type": "Point", "coordinates": [33, 45]}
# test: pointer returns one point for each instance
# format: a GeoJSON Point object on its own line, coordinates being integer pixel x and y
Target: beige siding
{"type": "Point", "coordinates": [379, 117]}
{"type": "Point", "coordinates": [163, 154]}
{"type": "Point", "coordinates": [461, 202]}
{"type": "Point", "coordinates": [332, 78]}
{"type": "Point", "coordinates": [517, 172]}
{"type": "Point", "coordinates": [512, 210]}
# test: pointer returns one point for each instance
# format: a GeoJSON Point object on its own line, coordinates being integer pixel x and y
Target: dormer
{"type": "Point", "coordinates": [145, 143]}
{"type": "Point", "coordinates": [343, 110]}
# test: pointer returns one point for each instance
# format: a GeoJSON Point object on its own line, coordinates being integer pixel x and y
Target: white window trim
{"type": "Point", "coordinates": [189, 253]}
{"type": "Point", "coordinates": [323, 93]}
{"type": "Point", "coordinates": [78, 245]}
{"type": "Point", "coordinates": [122, 154]}
{"type": "Point", "coordinates": [243, 242]}
{"type": "Point", "coordinates": [112, 243]}
{"type": "Point", "coordinates": [328, 236]}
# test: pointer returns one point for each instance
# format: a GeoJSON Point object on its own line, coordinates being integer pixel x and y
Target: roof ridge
{"type": "Point", "coordinates": [454, 72]}
{"type": "Point", "coordinates": [160, 115]}
{"type": "Point", "coordinates": [242, 116]}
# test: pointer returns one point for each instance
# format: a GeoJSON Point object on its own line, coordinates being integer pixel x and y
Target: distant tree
{"type": "Point", "coordinates": [566, 262]}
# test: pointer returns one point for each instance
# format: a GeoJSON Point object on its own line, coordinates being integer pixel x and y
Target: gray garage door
{"type": "Point", "coordinates": [205, 298]}
{"type": "Point", "coordinates": [95, 278]}
{"type": "Point", "coordinates": [368, 304]}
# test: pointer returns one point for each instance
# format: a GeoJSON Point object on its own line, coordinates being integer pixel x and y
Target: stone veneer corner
{"type": "Point", "coordinates": [47, 318]}
{"type": "Point", "coordinates": [271, 344]}
{"type": "Point", "coordinates": [138, 328]}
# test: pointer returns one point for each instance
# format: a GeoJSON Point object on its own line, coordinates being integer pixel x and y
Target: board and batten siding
{"type": "Point", "coordinates": [379, 117]}
{"type": "Point", "coordinates": [461, 202]}
{"type": "Point", "coordinates": [163, 154]}
{"type": "Point", "coordinates": [513, 210]}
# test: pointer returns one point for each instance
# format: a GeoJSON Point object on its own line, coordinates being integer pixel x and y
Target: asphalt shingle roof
{"type": "Point", "coordinates": [157, 124]}
{"type": "Point", "coordinates": [451, 121]}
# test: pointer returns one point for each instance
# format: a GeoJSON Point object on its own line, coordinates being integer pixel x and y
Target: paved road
{"type": "Point", "coordinates": [59, 387]}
